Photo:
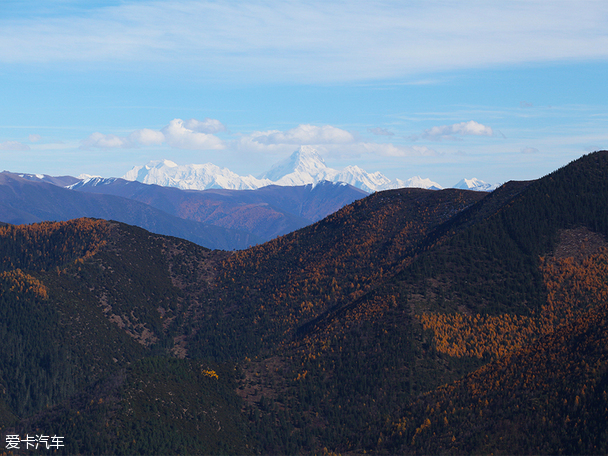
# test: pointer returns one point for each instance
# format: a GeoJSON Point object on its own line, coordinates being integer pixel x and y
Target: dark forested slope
{"type": "Point", "coordinates": [92, 313]}
{"type": "Point", "coordinates": [411, 321]}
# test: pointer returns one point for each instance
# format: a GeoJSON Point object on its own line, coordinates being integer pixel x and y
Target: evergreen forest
{"type": "Point", "coordinates": [409, 322]}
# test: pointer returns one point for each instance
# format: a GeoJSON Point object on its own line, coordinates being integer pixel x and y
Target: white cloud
{"type": "Point", "coordinates": [310, 40]}
{"type": "Point", "coordinates": [391, 150]}
{"type": "Point", "coordinates": [329, 140]}
{"type": "Point", "coordinates": [34, 138]}
{"type": "Point", "coordinates": [99, 140]}
{"type": "Point", "coordinates": [379, 131]}
{"type": "Point", "coordinates": [205, 126]}
{"type": "Point", "coordinates": [247, 143]}
{"type": "Point", "coordinates": [13, 145]}
{"type": "Point", "coordinates": [451, 132]}
{"type": "Point", "coordinates": [147, 137]}
{"type": "Point", "coordinates": [529, 150]}
{"type": "Point", "coordinates": [179, 136]}
{"type": "Point", "coordinates": [174, 134]}
{"type": "Point", "coordinates": [305, 134]}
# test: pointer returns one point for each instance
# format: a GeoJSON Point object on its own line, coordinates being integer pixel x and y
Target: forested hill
{"type": "Point", "coordinates": [411, 321]}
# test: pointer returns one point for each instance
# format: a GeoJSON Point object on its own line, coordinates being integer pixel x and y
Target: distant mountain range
{"type": "Point", "coordinates": [205, 204]}
{"type": "Point", "coordinates": [27, 199]}
{"type": "Point", "coordinates": [215, 218]}
{"type": "Point", "coordinates": [265, 213]}
{"type": "Point", "coordinates": [304, 166]}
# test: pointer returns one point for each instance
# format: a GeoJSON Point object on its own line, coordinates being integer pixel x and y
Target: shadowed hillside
{"type": "Point", "coordinates": [264, 213]}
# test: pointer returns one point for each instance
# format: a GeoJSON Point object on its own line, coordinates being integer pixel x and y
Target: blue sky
{"type": "Point", "coordinates": [440, 89]}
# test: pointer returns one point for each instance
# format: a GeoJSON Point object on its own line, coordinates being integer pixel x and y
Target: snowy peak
{"type": "Point", "coordinates": [159, 164]}
{"type": "Point", "coordinates": [304, 166]}
{"type": "Point", "coordinates": [192, 177]}
{"type": "Point", "coordinates": [307, 159]}
{"type": "Point", "coordinates": [475, 184]}
{"type": "Point", "coordinates": [419, 182]}
{"type": "Point", "coordinates": [92, 181]}
{"type": "Point", "coordinates": [370, 182]}
{"type": "Point", "coordinates": [154, 167]}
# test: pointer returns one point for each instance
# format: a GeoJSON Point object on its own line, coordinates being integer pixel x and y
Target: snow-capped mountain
{"type": "Point", "coordinates": [92, 181]}
{"type": "Point", "coordinates": [192, 177]}
{"type": "Point", "coordinates": [370, 182]}
{"type": "Point", "coordinates": [304, 166]}
{"type": "Point", "coordinates": [475, 184]}
{"type": "Point", "coordinates": [419, 182]}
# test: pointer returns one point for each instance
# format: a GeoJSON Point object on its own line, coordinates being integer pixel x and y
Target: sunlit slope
{"type": "Point", "coordinates": [549, 397]}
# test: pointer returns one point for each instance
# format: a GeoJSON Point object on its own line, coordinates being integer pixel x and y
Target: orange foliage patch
{"type": "Point", "coordinates": [20, 282]}
{"type": "Point", "coordinates": [573, 287]}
